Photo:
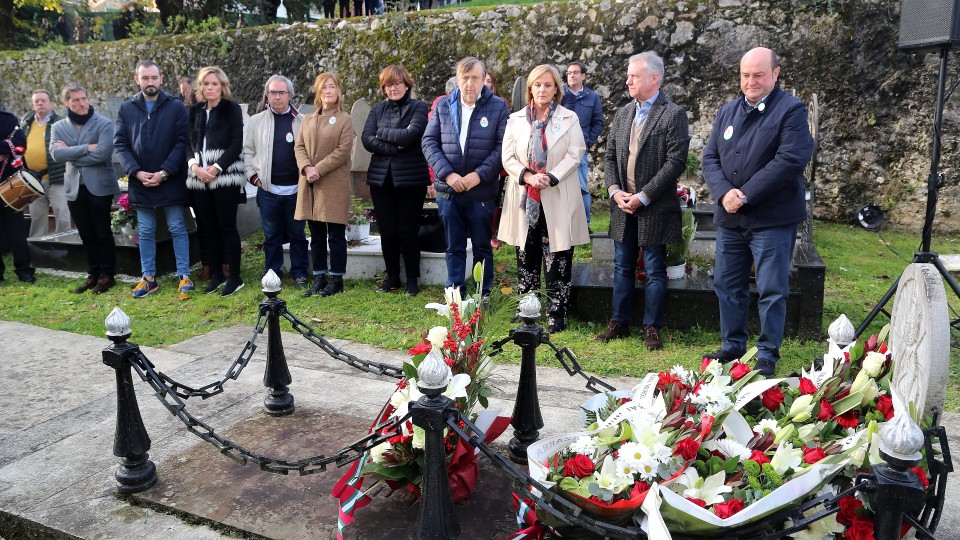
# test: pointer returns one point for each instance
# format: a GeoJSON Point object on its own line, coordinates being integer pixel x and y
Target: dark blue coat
{"type": "Point", "coordinates": [763, 153]}
{"type": "Point", "coordinates": [441, 144]}
{"type": "Point", "coordinates": [589, 111]}
{"type": "Point", "coordinates": [151, 142]}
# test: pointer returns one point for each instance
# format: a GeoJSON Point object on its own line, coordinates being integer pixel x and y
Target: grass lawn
{"type": "Point", "coordinates": [861, 266]}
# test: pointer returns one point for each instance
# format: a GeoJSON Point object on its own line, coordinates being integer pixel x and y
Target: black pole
{"type": "Point", "coordinates": [276, 375]}
{"type": "Point", "coordinates": [527, 419]}
{"type": "Point", "coordinates": [131, 442]}
{"type": "Point", "coordinates": [933, 181]}
{"type": "Point", "coordinates": [898, 490]}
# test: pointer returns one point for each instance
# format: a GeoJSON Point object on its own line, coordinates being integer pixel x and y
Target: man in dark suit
{"type": "Point", "coordinates": [646, 154]}
{"type": "Point", "coordinates": [753, 165]}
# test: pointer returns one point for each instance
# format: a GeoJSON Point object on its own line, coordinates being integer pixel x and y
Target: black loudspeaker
{"type": "Point", "coordinates": [927, 25]}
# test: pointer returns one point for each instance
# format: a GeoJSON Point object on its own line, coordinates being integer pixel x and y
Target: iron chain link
{"type": "Point", "coordinates": [567, 360]}
{"type": "Point", "coordinates": [312, 336]}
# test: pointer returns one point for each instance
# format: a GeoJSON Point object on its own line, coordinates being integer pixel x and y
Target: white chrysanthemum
{"type": "Point", "coordinates": [662, 453]}
{"type": "Point", "coordinates": [632, 452]}
{"type": "Point", "coordinates": [647, 470]}
{"type": "Point", "coordinates": [714, 408]}
{"type": "Point", "coordinates": [682, 373]}
{"type": "Point", "coordinates": [585, 445]}
{"type": "Point", "coordinates": [766, 425]}
{"type": "Point", "coordinates": [729, 448]}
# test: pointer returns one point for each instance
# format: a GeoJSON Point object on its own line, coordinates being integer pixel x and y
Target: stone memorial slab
{"type": "Point", "coordinates": [360, 157]}
{"type": "Point", "coordinates": [920, 338]}
{"type": "Point", "coordinates": [518, 98]}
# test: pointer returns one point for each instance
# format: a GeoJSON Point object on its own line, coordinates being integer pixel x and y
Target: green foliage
{"type": "Point", "coordinates": [677, 253]}
{"type": "Point", "coordinates": [693, 164]}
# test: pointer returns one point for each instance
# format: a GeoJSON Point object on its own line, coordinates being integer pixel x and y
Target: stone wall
{"type": "Point", "coordinates": [876, 104]}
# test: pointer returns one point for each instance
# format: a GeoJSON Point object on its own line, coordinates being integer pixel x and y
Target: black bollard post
{"type": "Point", "coordinates": [897, 490]}
{"type": "Point", "coordinates": [527, 420]}
{"type": "Point", "coordinates": [276, 375]}
{"type": "Point", "coordinates": [130, 441]}
{"type": "Point", "coordinates": [438, 517]}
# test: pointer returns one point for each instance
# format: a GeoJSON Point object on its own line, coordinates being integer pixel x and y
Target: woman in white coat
{"type": "Point", "coordinates": [543, 213]}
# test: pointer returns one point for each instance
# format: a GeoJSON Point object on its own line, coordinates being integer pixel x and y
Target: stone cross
{"type": "Point", "coordinates": [920, 338]}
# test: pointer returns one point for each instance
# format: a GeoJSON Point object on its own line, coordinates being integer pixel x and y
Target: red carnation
{"type": "Point", "coordinates": [579, 466]}
{"type": "Point", "coordinates": [922, 476]}
{"type": "Point", "coordinates": [848, 419]}
{"type": "Point", "coordinates": [826, 411]}
{"type": "Point", "coordinates": [420, 348]}
{"type": "Point", "coordinates": [705, 363]}
{"type": "Point", "coordinates": [813, 455]}
{"type": "Point", "coordinates": [759, 457]}
{"type": "Point", "coordinates": [860, 529]}
{"type": "Point", "coordinates": [772, 399]}
{"type": "Point", "coordinates": [885, 405]}
{"type": "Point", "coordinates": [687, 449]}
{"type": "Point", "coordinates": [727, 509]}
{"type": "Point", "coordinates": [739, 370]}
{"type": "Point", "coordinates": [666, 380]}
{"type": "Point", "coordinates": [807, 386]}
{"type": "Point", "coordinates": [699, 502]}
{"type": "Point", "coordinates": [848, 510]}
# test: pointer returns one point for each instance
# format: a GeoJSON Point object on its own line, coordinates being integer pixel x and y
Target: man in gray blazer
{"type": "Point", "coordinates": [84, 141]}
{"type": "Point", "coordinates": [646, 154]}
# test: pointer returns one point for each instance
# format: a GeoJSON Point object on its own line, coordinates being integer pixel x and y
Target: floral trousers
{"type": "Point", "coordinates": [557, 268]}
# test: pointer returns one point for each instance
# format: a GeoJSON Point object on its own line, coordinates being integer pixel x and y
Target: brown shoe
{"type": "Point", "coordinates": [104, 284]}
{"type": "Point", "coordinates": [90, 283]}
{"type": "Point", "coordinates": [615, 330]}
{"type": "Point", "coordinates": [651, 336]}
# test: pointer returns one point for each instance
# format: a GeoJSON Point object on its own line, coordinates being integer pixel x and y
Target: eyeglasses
{"type": "Point", "coordinates": [574, 72]}
{"type": "Point", "coordinates": [393, 84]}
{"type": "Point", "coordinates": [277, 93]}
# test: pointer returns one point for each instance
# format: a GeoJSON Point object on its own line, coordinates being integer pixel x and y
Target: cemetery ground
{"type": "Point", "coordinates": [861, 266]}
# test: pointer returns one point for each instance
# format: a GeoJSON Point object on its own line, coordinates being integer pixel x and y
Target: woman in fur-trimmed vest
{"type": "Point", "coordinates": [216, 180]}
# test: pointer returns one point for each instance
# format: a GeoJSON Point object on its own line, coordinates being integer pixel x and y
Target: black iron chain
{"type": "Point", "coordinates": [177, 407]}
{"type": "Point", "coordinates": [567, 360]}
{"type": "Point", "coordinates": [369, 366]}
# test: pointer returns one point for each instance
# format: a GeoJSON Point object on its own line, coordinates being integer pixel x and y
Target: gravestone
{"type": "Point", "coordinates": [518, 98]}
{"type": "Point", "coordinates": [359, 157]}
{"type": "Point", "coordinates": [920, 338]}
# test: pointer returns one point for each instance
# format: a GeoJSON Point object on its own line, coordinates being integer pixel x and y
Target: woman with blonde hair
{"type": "Point", "coordinates": [216, 180]}
{"type": "Point", "coordinates": [323, 199]}
{"type": "Point", "coordinates": [542, 208]}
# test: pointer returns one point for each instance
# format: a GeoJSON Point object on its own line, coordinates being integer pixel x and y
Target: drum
{"type": "Point", "coordinates": [20, 190]}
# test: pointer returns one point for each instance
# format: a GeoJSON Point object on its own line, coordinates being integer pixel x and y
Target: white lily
{"type": "Point", "coordinates": [420, 437]}
{"type": "Point", "coordinates": [442, 309]}
{"type": "Point", "coordinates": [801, 408]}
{"type": "Point", "coordinates": [765, 425]}
{"type": "Point", "coordinates": [400, 400]}
{"type": "Point", "coordinates": [649, 435]}
{"type": "Point", "coordinates": [826, 527]}
{"type": "Point", "coordinates": [873, 363]}
{"type": "Point", "coordinates": [865, 383]}
{"type": "Point", "coordinates": [457, 387]}
{"type": "Point", "coordinates": [709, 489]}
{"type": "Point", "coordinates": [376, 453]}
{"type": "Point", "coordinates": [436, 336]}
{"type": "Point", "coordinates": [786, 457]}
{"type": "Point", "coordinates": [609, 478]}
{"type": "Point", "coordinates": [808, 432]}
{"type": "Point", "coordinates": [485, 368]}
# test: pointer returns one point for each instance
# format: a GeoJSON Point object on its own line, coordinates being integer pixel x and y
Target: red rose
{"type": "Point", "coordinates": [772, 399]}
{"type": "Point", "coordinates": [579, 466]}
{"type": "Point", "coordinates": [699, 502]}
{"type": "Point", "coordinates": [687, 449]}
{"type": "Point", "coordinates": [826, 411]}
{"type": "Point", "coordinates": [848, 419]}
{"type": "Point", "coordinates": [922, 476]}
{"type": "Point", "coordinates": [807, 386]}
{"type": "Point", "coordinates": [739, 370]}
{"type": "Point", "coordinates": [727, 509]}
{"type": "Point", "coordinates": [759, 457]}
{"type": "Point", "coordinates": [885, 405]}
{"type": "Point", "coordinates": [861, 529]}
{"type": "Point", "coordinates": [813, 455]}
{"type": "Point", "coordinates": [848, 510]}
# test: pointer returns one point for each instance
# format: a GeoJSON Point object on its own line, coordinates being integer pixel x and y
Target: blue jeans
{"type": "Point", "coordinates": [584, 190]}
{"type": "Point", "coordinates": [462, 218]}
{"type": "Point", "coordinates": [771, 251]}
{"type": "Point", "coordinates": [625, 275]}
{"type": "Point", "coordinates": [147, 230]}
{"type": "Point", "coordinates": [276, 216]}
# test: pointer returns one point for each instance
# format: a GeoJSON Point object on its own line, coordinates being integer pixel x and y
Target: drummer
{"type": "Point", "coordinates": [13, 228]}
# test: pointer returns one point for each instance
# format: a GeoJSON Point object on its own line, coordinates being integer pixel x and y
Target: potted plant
{"type": "Point", "coordinates": [124, 219]}
{"type": "Point", "coordinates": [678, 253]}
{"type": "Point", "coordinates": [359, 220]}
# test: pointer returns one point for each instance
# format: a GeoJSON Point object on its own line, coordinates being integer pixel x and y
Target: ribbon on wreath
{"type": "Point", "coordinates": [529, 527]}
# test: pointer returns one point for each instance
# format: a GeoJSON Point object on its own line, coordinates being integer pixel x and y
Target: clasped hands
{"type": "Point", "coordinates": [150, 179]}
{"type": "Point", "coordinates": [628, 202]}
{"type": "Point", "coordinates": [733, 201]}
{"type": "Point", "coordinates": [461, 184]}
{"type": "Point", "coordinates": [205, 174]}
{"type": "Point", "coordinates": [311, 173]}
{"type": "Point", "coordinates": [537, 181]}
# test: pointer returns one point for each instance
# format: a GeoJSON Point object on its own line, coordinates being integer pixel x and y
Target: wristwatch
{"type": "Point", "coordinates": [164, 175]}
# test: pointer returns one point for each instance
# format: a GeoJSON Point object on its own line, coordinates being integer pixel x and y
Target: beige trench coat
{"type": "Point", "coordinates": [562, 204]}
{"type": "Point", "coordinates": [325, 141]}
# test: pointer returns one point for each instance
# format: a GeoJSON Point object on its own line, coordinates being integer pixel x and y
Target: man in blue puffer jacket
{"type": "Point", "coordinates": [462, 146]}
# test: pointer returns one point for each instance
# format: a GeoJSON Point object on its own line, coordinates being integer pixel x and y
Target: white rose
{"type": "Point", "coordinates": [873, 363]}
{"type": "Point", "coordinates": [436, 336]}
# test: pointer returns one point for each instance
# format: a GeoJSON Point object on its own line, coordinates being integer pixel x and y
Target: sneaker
{"type": "Point", "coordinates": [615, 330]}
{"type": "Point", "coordinates": [232, 285]}
{"type": "Point", "coordinates": [319, 283]}
{"type": "Point", "coordinates": [766, 367]}
{"type": "Point", "coordinates": [145, 287]}
{"type": "Point", "coordinates": [214, 285]}
{"type": "Point", "coordinates": [389, 285]}
{"type": "Point", "coordinates": [300, 283]}
{"type": "Point", "coordinates": [90, 283]}
{"type": "Point", "coordinates": [185, 285]}
{"type": "Point", "coordinates": [651, 337]}
{"type": "Point", "coordinates": [104, 284]}
{"type": "Point", "coordinates": [723, 356]}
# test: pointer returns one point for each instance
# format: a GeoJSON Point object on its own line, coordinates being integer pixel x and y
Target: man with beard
{"type": "Point", "coordinates": [151, 141]}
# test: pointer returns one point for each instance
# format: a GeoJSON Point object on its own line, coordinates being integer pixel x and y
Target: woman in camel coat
{"type": "Point", "coordinates": [323, 200]}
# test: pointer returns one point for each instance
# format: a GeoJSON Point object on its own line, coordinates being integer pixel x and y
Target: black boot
{"type": "Point", "coordinates": [319, 283]}
{"type": "Point", "coordinates": [334, 286]}
{"type": "Point", "coordinates": [413, 288]}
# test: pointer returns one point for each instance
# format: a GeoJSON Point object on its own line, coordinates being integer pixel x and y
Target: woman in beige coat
{"type": "Point", "coordinates": [323, 199]}
{"type": "Point", "coordinates": [542, 208]}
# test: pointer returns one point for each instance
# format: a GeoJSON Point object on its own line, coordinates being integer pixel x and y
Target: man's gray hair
{"type": "Point", "coordinates": [281, 78]}
{"type": "Point", "coordinates": [469, 63]}
{"type": "Point", "coordinates": [70, 88]}
{"type": "Point", "coordinates": [653, 63]}
{"type": "Point", "coordinates": [451, 84]}
{"type": "Point", "coordinates": [41, 91]}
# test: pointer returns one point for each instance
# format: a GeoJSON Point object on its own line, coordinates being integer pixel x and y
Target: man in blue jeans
{"type": "Point", "coordinates": [151, 140]}
{"type": "Point", "coordinates": [462, 146]}
{"type": "Point", "coordinates": [753, 165]}
{"type": "Point", "coordinates": [586, 104]}
{"type": "Point", "coordinates": [272, 167]}
{"type": "Point", "coordinates": [646, 154]}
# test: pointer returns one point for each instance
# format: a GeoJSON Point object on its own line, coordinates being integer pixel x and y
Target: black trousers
{"type": "Point", "coordinates": [357, 8]}
{"type": "Point", "coordinates": [322, 232]}
{"type": "Point", "coordinates": [557, 268]}
{"type": "Point", "coordinates": [14, 230]}
{"type": "Point", "coordinates": [91, 213]}
{"type": "Point", "coordinates": [398, 212]}
{"type": "Point", "coordinates": [344, 9]}
{"type": "Point", "coordinates": [217, 210]}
